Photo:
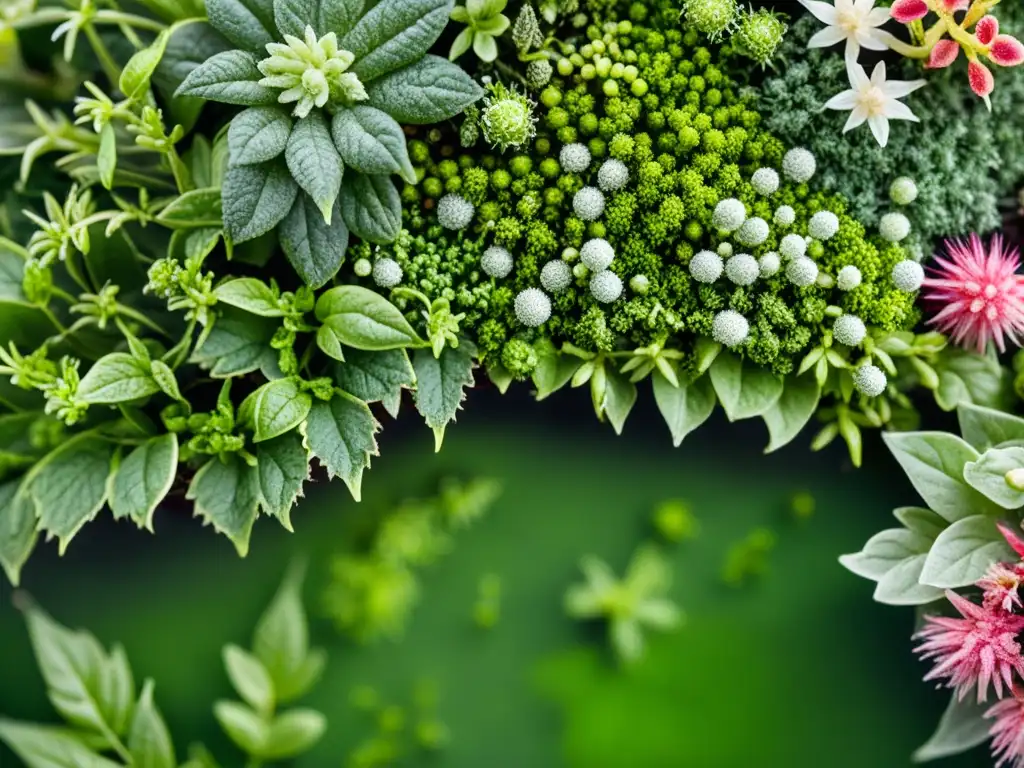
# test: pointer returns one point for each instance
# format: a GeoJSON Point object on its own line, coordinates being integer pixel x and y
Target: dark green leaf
{"type": "Point", "coordinates": [279, 407]}
{"type": "Point", "coordinates": [792, 411]}
{"type": "Point", "coordinates": [116, 378]}
{"type": "Point", "coordinates": [227, 496]}
{"type": "Point", "coordinates": [315, 249]}
{"type": "Point", "coordinates": [554, 369]}
{"type": "Point", "coordinates": [430, 91]}
{"type": "Point", "coordinates": [17, 529]}
{"type": "Point", "coordinates": [249, 24]}
{"type": "Point", "coordinates": [258, 135]}
{"type": "Point", "coordinates": [371, 207]}
{"type": "Point", "coordinates": [148, 740]}
{"type": "Point", "coordinates": [394, 34]}
{"type": "Point", "coordinates": [363, 319]}
{"type": "Point", "coordinates": [283, 468]}
{"type": "Point", "coordinates": [256, 199]}
{"type": "Point", "coordinates": [376, 376]}
{"type": "Point", "coordinates": [230, 77]}
{"type": "Point", "coordinates": [340, 433]}
{"type": "Point", "coordinates": [338, 16]}
{"type": "Point", "coordinates": [238, 344]}
{"type": "Point", "coordinates": [143, 480]}
{"type": "Point", "coordinates": [744, 389]}
{"type": "Point", "coordinates": [440, 383]}
{"type": "Point", "coordinates": [193, 210]}
{"type": "Point", "coordinates": [314, 162]}
{"type": "Point", "coordinates": [189, 46]}
{"type": "Point", "coordinates": [371, 142]}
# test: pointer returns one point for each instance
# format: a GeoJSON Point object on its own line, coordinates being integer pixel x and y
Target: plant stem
{"type": "Point", "coordinates": [129, 19]}
{"type": "Point", "coordinates": [110, 67]}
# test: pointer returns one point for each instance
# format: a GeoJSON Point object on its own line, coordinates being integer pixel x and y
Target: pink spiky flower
{"type": "Point", "coordinates": [1007, 731]}
{"type": "Point", "coordinates": [1000, 586]}
{"type": "Point", "coordinates": [978, 295]}
{"type": "Point", "coordinates": [975, 650]}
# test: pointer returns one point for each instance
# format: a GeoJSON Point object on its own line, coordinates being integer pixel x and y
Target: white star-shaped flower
{"type": "Point", "coordinates": [874, 100]}
{"type": "Point", "coordinates": [855, 21]}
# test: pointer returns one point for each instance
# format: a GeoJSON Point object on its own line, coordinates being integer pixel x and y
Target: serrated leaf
{"type": "Point", "coordinates": [987, 475]}
{"type": "Point", "coordinates": [338, 16]}
{"type": "Point", "coordinates": [238, 344]}
{"type": "Point", "coordinates": [371, 207]}
{"type": "Point", "coordinates": [315, 249]}
{"type": "Point", "coordinates": [230, 77]}
{"type": "Point", "coordinates": [340, 433]}
{"type": "Point", "coordinates": [249, 678]}
{"type": "Point", "coordinates": [249, 24]}
{"type": "Point", "coordinates": [745, 390]}
{"type": "Point", "coordinates": [394, 34]}
{"type": "Point", "coordinates": [249, 294]}
{"type": "Point", "coordinates": [196, 209]}
{"type": "Point", "coordinates": [371, 142]}
{"type": "Point", "coordinates": [227, 497]}
{"type": "Point", "coordinates": [258, 135]}
{"type": "Point", "coordinates": [430, 91]}
{"type": "Point", "coordinates": [116, 378]}
{"type": "Point", "coordinates": [363, 319]}
{"type": "Point", "coordinates": [149, 741]}
{"type": "Point", "coordinates": [963, 726]}
{"type": "Point", "coordinates": [292, 733]}
{"type": "Point", "coordinates": [376, 376]}
{"type": "Point", "coordinates": [314, 162]}
{"type": "Point", "coordinates": [17, 529]}
{"type": "Point", "coordinates": [44, 746]}
{"type": "Point", "coordinates": [792, 411]}
{"type": "Point", "coordinates": [440, 384]}
{"type": "Point", "coordinates": [256, 198]}
{"type": "Point", "coordinates": [986, 428]}
{"type": "Point", "coordinates": [283, 469]}
{"type": "Point", "coordinates": [143, 479]}
{"type": "Point", "coordinates": [243, 726]}
{"type": "Point", "coordinates": [684, 408]}
{"type": "Point", "coordinates": [963, 553]}
{"type": "Point", "coordinates": [279, 407]}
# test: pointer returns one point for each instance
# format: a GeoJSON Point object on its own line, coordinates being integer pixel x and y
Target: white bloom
{"type": "Point", "coordinates": [855, 21]}
{"type": "Point", "coordinates": [869, 380]}
{"type": "Point", "coordinates": [874, 100]}
{"type": "Point", "coordinates": [556, 276]}
{"type": "Point", "coordinates": [532, 307]}
{"type": "Point", "coordinates": [730, 328]}
{"type": "Point", "coordinates": [496, 261]}
{"type": "Point", "coordinates": [894, 227]}
{"type": "Point", "coordinates": [588, 203]}
{"type": "Point", "coordinates": [597, 254]}
{"type": "Point", "coordinates": [802, 272]}
{"type": "Point", "coordinates": [823, 225]}
{"type": "Point", "coordinates": [606, 287]}
{"type": "Point", "coordinates": [574, 158]}
{"type": "Point", "coordinates": [729, 215]}
{"type": "Point", "coordinates": [908, 276]}
{"type": "Point", "coordinates": [799, 165]}
{"type": "Point", "coordinates": [769, 264]}
{"type": "Point", "coordinates": [387, 273]}
{"type": "Point", "coordinates": [454, 212]}
{"type": "Point", "coordinates": [753, 232]}
{"type": "Point", "coordinates": [613, 175]}
{"type": "Point", "coordinates": [706, 267]}
{"type": "Point", "coordinates": [785, 215]}
{"type": "Point", "coordinates": [742, 269]}
{"type": "Point", "coordinates": [849, 278]}
{"type": "Point", "coordinates": [849, 330]}
{"type": "Point", "coordinates": [765, 181]}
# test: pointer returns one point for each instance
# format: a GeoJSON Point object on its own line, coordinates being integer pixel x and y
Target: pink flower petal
{"type": "Point", "coordinates": [987, 29]}
{"type": "Point", "coordinates": [980, 77]}
{"type": "Point", "coordinates": [1012, 538]}
{"type": "Point", "coordinates": [906, 11]}
{"type": "Point", "coordinates": [1006, 51]}
{"type": "Point", "coordinates": [956, 5]}
{"type": "Point", "coordinates": [943, 54]}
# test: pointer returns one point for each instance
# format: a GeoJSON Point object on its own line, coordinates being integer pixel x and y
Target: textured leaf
{"type": "Point", "coordinates": [238, 344]}
{"type": "Point", "coordinates": [963, 552]}
{"type": "Point", "coordinates": [376, 376]}
{"type": "Point", "coordinates": [685, 407]}
{"type": "Point", "coordinates": [986, 428]}
{"type": "Point", "coordinates": [293, 732]}
{"type": "Point", "coordinates": [371, 207]}
{"type": "Point", "coordinates": [196, 209]}
{"type": "Point", "coordinates": [279, 407]}
{"type": "Point", "coordinates": [314, 162]}
{"type": "Point", "coordinates": [148, 740]}
{"type": "Point", "coordinates": [249, 24]}
{"type": "Point", "coordinates": [440, 384]}
{"type": "Point", "coordinates": [340, 433]}
{"type": "Point", "coordinates": [188, 47]}
{"type": "Point", "coordinates": [227, 496]}
{"type": "Point", "coordinates": [338, 16]}
{"type": "Point", "coordinates": [44, 746]}
{"type": "Point", "coordinates": [963, 726]}
{"type": "Point", "coordinates": [315, 249]}
{"type": "Point", "coordinates": [554, 369]}
{"type": "Point", "coordinates": [143, 479]}
{"type": "Point", "coordinates": [745, 390]}
{"type": "Point", "coordinates": [363, 319]}
{"type": "Point", "coordinates": [430, 91]}
{"type": "Point", "coordinates": [920, 520]}
{"type": "Point", "coordinates": [258, 135]}
{"type": "Point", "coordinates": [17, 529]}
{"type": "Point", "coordinates": [792, 411]}
{"type": "Point", "coordinates": [249, 678]}
{"type": "Point", "coordinates": [256, 199]}
{"type": "Point", "coordinates": [987, 475]}
{"type": "Point", "coordinates": [12, 273]}
{"type": "Point", "coordinates": [249, 294]}
{"type": "Point", "coordinates": [116, 378]}
{"type": "Point", "coordinates": [231, 77]}
{"type": "Point", "coordinates": [395, 33]}
{"type": "Point", "coordinates": [369, 141]}
{"type": "Point", "coordinates": [283, 468]}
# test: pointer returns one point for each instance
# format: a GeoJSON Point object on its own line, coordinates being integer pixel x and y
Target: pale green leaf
{"type": "Point", "coordinates": [963, 726]}
{"type": "Point", "coordinates": [135, 76]}
{"type": "Point", "coordinates": [338, 16]}
{"type": "Point", "coordinates": [369, 141]}
{"type": "Point", "coordinates": [363, 319]}
{"type": "Point", "coordinates": [279, 407]}
{"type": "Point", "coordinates": [920, 520]}
{"type": "Point", "coordinates": [744, 389]}
{"type": "Point", "coordinates": [143, 480]}
{"type": "Point", "coordinates": [116, 378]}
{"type": "Point", "coordinates": [226, 496]}
{"type": "Point", "coordinates": [968, 377]}
{"type": "Point", "coordinates": [902, 585]}
{"type": "Point", "coordinates": [963, 553]}
{"type": "Point", "coordinates": [106, 158]}
{"type": "Point", "coordinates": [44, 746]}
{"type": "Point", "coordinates": [884, 551]}
{"type": "Point", "coordinates": [619, 398]}
{"type": "Point", "coordinates": [243, 726]}
{"type": "Point", "coordinates": [292, 733]}
{"type": "Point", "coordinates": [440, 386]}
{"type": "Point", "coordinates": [685, 407]}
{"type": "Point", "coordinates": [249, 294]}
{"type": "Point", "coordinates": [340, 433]}
{"type": "Point", "coordinates": [256, 198]}
{"type": "Point", "coordinates": [196, 209]}
{"type": "Point", "coordinates": [238, 344]}
{"type": "Point", "coordinates": [986, 428]}
{"type": "Point", "coordinates": [987, 475]}
{"type": "Point", "coordinates": [792, 411]}
{"type": "Point", "coordinates": [249, 678]}
{"type": "Point", "coordinates": [314, 162]}
{"type": "Point", "coordinates": [17, 529]}
{"type": "Point", "coordinates": [430, 91]}
{"type": "Point", "coordinates": [149, 740]}
{"type": "Point", "coordinates": [554, 369]}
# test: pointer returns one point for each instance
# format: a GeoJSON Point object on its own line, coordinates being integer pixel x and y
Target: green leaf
{"type": "Point", "coordinates": [340, 433]}
{"type": "Point", "coordinates": [256, 198]}
{"type": "Point", "coordinates": [902, 585]}
{"type": "Point", "coordinates": [69, 486]}
{"type": "Point", "coordinates": [934, 463]}
{"type": "Point", "coordinates": [135, 76]}
{"type": "Point", "coordinates": [369, 141]}
{"type": "Point", "coordinates": [17, 529]}
{"type": "Point", "coordinates": [148, 740]}
{"type": "Point", "coordinates": [249, 294]}
{"type": "Point", "coordinates": [281, 640]}
{"type": "Point", "coordinates": [967, 377]}
{"type": "Point", "coordinates": [554, 369]}
{"type": "Point", "coordinates": [363, 319]}
{"type": "Point", "coordinates": [745, 390]}
{"type": "Point", "coordinates": [430, 91]}
{"type": "Point", "coordinates": [116, 378]}
{"type": "Point", "coordinates": [440, 383]}
{"type": "Point", "coordinates": [963, 726]}
{"type": "Point", "coordinates": [195, 209]}
{"type": "Point", "coordinates": [376, 376]}
{"type": "Point", "coordinates": [886, 550]}
{"type": "Point", "coordinates": [249, 678]}
{"type": "Point", "coordinates": [792, 411]}
{"type": "Point", "coordinates": [143, 480]}
{"type": "Point", "coordinates": [279, 407]}
{"type": "Point", "coordinates": [315, 249]}
{"type": "Point", "coordinates": [329, 344]}
{"type": "Point", "coordinates": [230, 77]}
{"type": "Point", "coordinates": [619, 398]}
{"type": "Point", "coordinates": [985, 428]}
{"type": "Point", "coordinates": [243, 726]}
{"type": "Point", "coordinates": [921, 520]}
{"type": "Point", "coordinates": [106, 158]}
{"type": "Point", "coordinates": [292, 733]}
{"type": "Point", "coordinates": [258, 135]}
{"type": "Point", "coordinates": [189, 46]}
{"type": "Point", "coordinates": [314, 162]}
{"type": "Point", "coordinates": [249, 24]}
{"type": "Point", "coordinates": [164, 377]}
{"type": "Point", "coordinates": [238, 344]}
{"type": "Point", "coordinates": [685, 407]}
{"type": "Point", "coordinates": [338, 16]}
{"type": "Point", "coordinates": [963, 553]}
{"type": "Point", "coordinates": [394, 34]}
{"type": "Point", "coordinates": [12, 274]}
{"type": "Point", "coordinates": [371, 207]}
{"type": "Point", "coordinates": [988, 475]}
{"type": "Point", "coordinates": [227, 496]}
{"type": "Point", "coordinates": [44, 746]}
{"type": "Point", "coordinates": [283, 468]}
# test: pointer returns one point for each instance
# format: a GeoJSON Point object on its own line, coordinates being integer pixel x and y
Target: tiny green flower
{"type": "Point", "coordinates": [486, 22]}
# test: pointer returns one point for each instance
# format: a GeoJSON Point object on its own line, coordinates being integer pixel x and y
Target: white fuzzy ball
{"type": "Point", "coordinates": [903, 191]}
{"type": "Point", "coordinates": [849, 330]}
{"type": "Point", "coordinates": [387, 273]}
{"type": "Point", "coordinates": [454, 212]}
{"type": "Point", "coordinates": [613, 175]}
{"type": "Point", "coordinates": [730, 328]}
{"type": "Point", "coordinates": [742, 269]}
{"type": "Point", "coordinates": [765, 181]}
{"type": "Point", "coordinates": [823, 225]}
{"type": "Point", "coordinates": [706, 267]}
{"type": "Point", "coordinates": [574, 158]}
{"type": "Point", "coordinates": [532, 307]}
{"type": "Point", "coordinates": [753, 232]}
{"type": "Point", "coordinates": [597, 254]}
{"type": "Point", "coordinates": [785, 216]}
{"type": "Point", "coordinates": [799, 165]}
{"type": "Point", "coordinates": [606, 287]}
{"type": "Point", "coordinates": [792, 247]}
{"type": "Point", "coordinates": [556, 276]}
{"type": "Point", "coordinates": [729, 215]}
{"type": "Point", "coordinates": [849, 277]}
{"type": "Point", "coordinates": [908, 276]}
{"type": "Point", "coordinates": [588, 203]}
{"type": "Point", "coordinates": [496, 261]}
{"type": "Point", "coordinates": [802, 272]}
{"type": "Point", "coordinates": [769, 264]}
{"type": "Point", "coordinates": [870, 380]}
{"type": "Point", "coordinates": [894, 227]}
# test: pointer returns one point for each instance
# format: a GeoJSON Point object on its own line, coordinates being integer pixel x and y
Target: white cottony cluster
{"type": "Point", "coordinates": [742, 269]}
{"type": "Point", "coordinates": [729, 215]}
{"type": "Point", "coordinates": [387, 273]}
{"type": "Point", "coordinates": [849, 330]}
{"type": "Point", "coordinates": [532, 307]}
{"type": "Point", "coordinates": [908, 275]}
{"type": "Point", "coordinates": [730, 328]}
{"type": "Point", "coordinates": [556, 276]}
{"type": "Point", "coordinates": [706, 267]}
{"type": "Point", "coordinates": [870, 380]}
{"type": "Point", "coordinates": [765, 181]}
{"type": "Point", "coordinates": [754, 231]}
{"type": "Point", "coordinates": [894, 227]}
{"type": "Point", "coordinates": [606, 286]}
{"type": "Point", "coordinates": [496, 261]}
{"type": "Point", "coordinates": [589, 203]}
{"type": "Point", "coordinates": [454, 212]}
{"type": "Point", "coordinates": [613, 175]}
{"type": "Point", "coordinates": [574, 158]}
{"type": "Point", "coordinates": [597, 254]}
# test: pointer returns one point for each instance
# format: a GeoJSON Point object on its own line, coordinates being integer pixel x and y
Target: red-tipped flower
{"type": "Point", "coordinates": [1006, 51]}
{"type": "Point", "coordinates": [1015, 542]}
{"type": "Point", "coordinates": [943, 54]}
{"type": "Point", "coordinates": [1007, 731]}
{"type": "Point", "coordinates": [987, 29]}
{"type": "Point", "coordinates": [906, 11]}
{"type": "Point", "coordinates": [980, 78]}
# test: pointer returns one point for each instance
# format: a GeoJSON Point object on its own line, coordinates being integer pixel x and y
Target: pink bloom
{"type": "Point", "coordinates": [978, 295]}
{"type": "Point", "coordinates": [1007, 731]}
{"type": "Point", "coordinates": [956, 5]}
{"type": "Point", "coordinates": [1006, 51]}
{"type": "Point", "coordinates": [987, 29]}
{"type": "Point", "coordinates": [943, 54]}
{"type": "Point", "coordinates": [1000, 584]}
{"type": "Point", "coordinates": [1015, 542]}
{"type": "Point", "coordinates": [980, 78]}
{"type": "Point", "coordinates": [906, 11]}
{"type": "Point", "coordinates": [973, 651]}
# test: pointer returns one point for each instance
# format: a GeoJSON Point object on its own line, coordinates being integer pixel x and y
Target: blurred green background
{"type": "Point", "coordinates": [797, 669]}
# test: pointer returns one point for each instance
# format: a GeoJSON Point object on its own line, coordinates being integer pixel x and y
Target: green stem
{"type": "Point", "coordinates": [110, 67]}
{"type": "Point", "coordinates": [129, 19]}
{"type": "Point", "coordinates": [179, 170]}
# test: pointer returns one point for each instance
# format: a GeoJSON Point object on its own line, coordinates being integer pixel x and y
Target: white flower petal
{"type": "Point", "coordinates": [871, 39]}
{"type": "Point", "coordinates": [897, 89]}
{"type": "Point", "coordinates": [822, 11]}
{"type": "Point", "coordinates": [857, 118]}
{"type": "Point", "coordinates": [877, 17]}
{"type": "Point", "coordinates": [880, 127]}
{"type": "Point", "coordinates": [826, 37]}
{"type": "Point", "coordinates": [852, 51]}
{"type": "Point", "coordinates": [858, 77]}
{"type": "Point", "coordinates": [878, 74]}
{"type": "Point", "coordinates": [897, 110]}
{"type": "Point", "coordinates": [842, 101]}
